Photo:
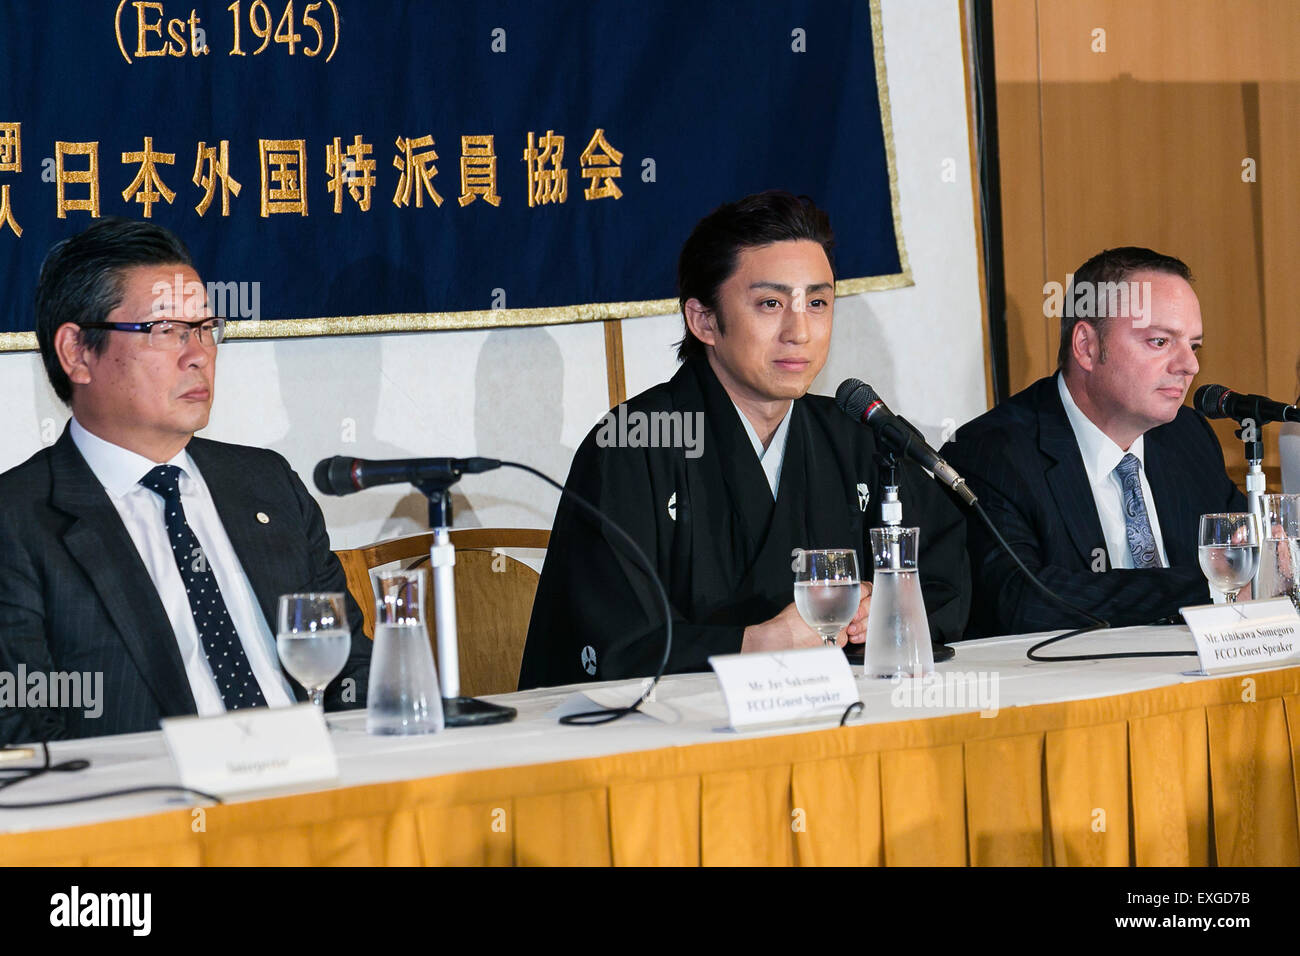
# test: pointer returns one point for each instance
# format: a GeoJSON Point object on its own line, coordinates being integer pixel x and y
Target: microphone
{"type": "Point", "coordinates": [1216, 401]}
{"type": "Point", "coordinates": [859, 401]}
{"type": "Point", "coordinates": [343, 476]}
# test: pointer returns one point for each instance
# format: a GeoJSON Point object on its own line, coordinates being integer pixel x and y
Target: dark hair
{"type": "Point", "coordinates": [81, 282]}
{"type": "Point", "coordinates": [708, 258]}
{"type": "Point", "coordinates": [1109, 266]}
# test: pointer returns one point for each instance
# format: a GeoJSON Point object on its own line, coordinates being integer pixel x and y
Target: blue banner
{"type": "Point", "coordinates": [367, 165]}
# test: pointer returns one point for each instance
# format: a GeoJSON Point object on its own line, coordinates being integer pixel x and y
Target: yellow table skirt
{"type": "Point", "coordinates": [1202, 773]}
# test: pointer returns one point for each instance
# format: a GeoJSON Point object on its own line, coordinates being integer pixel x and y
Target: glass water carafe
{"type": "Point", "coordinates": [1279, 556]}
{"type": "Point", "coordinates": [403, 696]}
{"type": "Point", "coordinates": [898, 631]}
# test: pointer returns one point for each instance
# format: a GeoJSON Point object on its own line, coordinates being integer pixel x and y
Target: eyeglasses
{"type": "Point", "coordinates": [170, 334]}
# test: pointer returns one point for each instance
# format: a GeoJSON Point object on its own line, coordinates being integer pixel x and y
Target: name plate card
{"type": "Point", "coordinates": [1252, 634]}
{"type": "Point", "coordinates": [258, 749]}
{"type": "Point", "coordinates": [785, 686]}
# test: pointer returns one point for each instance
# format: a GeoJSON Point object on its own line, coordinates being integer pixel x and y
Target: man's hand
{"type": "Point", "coordinates": [857, 629]}
{"type": "Point", "coordinates": [787, 630]}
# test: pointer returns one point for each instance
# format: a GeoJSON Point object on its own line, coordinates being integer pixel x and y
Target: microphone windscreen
{"type": "Point", "coordinates": [854, 397]}
{"type": "Point", "coordinates": [333, 476]}
{"type": "Point", "coordinates": [320, 477]}
{"type": "Point", "coordinates": [1208, 400]}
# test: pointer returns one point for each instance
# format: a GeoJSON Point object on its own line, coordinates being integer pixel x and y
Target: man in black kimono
{"type": "Point", "coordinates": [723, 472]}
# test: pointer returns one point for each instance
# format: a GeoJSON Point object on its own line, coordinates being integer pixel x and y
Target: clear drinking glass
{"type": "Point", "coordinates": [1279, 560]}
{"type": "Point", "coordinates": [403, 696]}
{"type": "Point", "coordinates": [313, 639]}
{"type": "Point", "coordinates": [1228, 548]}
{"type": "Point", "coordinates": [826, 590]}
{"type": "Point", "coordinates": [898, 629]}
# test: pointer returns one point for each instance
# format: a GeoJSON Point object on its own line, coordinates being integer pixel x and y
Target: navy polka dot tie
{"type": "Point", "coordinates": [221, 646]}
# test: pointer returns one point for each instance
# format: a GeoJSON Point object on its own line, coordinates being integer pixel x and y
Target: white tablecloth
{"type": "Point", "coordinates": [693, 703]}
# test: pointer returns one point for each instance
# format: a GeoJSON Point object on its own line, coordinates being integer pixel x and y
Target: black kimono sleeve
{"type": "Point", "coordinates": [597, 615]}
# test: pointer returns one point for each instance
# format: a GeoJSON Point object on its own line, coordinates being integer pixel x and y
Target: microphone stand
{"type": "Point", "coordinates": [457, 711]}
{"type": "Point", "coordinates": [1255, 488]}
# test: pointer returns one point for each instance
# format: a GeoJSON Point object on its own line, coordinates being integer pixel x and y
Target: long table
{"type": "Point", "coordinates": [1106, 762]}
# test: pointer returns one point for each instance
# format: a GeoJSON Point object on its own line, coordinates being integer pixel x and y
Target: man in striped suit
{"type": "Point", "coordinates": [1097, 475]}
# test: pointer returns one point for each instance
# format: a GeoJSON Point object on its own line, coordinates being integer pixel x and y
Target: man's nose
{"type": "Point", "coordinates": [796, 324]}
{"type": "Point", "coordinates": [193, 353]}
{"type": "Point", "coordinates": [1185, 362]}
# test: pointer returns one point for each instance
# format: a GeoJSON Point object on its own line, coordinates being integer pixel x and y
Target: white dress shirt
{"type": "Point", "coordinates": [120, 471]}
{"type": "Point", "coordinates": [1100, 456]}
{"type": "Point", "coordinates": [771, 457]}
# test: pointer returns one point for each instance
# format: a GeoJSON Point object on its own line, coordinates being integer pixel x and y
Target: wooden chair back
{"type": "Point", "coordinates": [494, 597]}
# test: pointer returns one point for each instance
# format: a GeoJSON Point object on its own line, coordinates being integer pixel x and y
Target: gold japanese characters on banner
{"type": "Point", "coordinates": [11, 161]}
{"type": "Point", "coordinates": [393, 166]}
{"type": "Point", "coordinates": [283, 173]}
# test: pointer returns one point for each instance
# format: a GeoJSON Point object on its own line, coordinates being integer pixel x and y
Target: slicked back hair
{"type": "Point", "coordinates": [82, 281]}
{"type": "Point", "coordinates": [708, 258]}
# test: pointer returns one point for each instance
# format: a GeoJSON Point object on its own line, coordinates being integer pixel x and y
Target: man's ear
{"type": "Point", "coordinates": [1085, 344]}
{"type": "Point", "coordinates": [702, 322]}
{"type": "Point", "coordinates": [72, 353]}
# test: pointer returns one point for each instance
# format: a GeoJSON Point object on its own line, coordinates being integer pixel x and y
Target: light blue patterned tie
{"type": "Point", "coordinates": [1137, 526]}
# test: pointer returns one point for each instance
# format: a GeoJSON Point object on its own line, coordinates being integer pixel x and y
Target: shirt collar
{"type": "Point", "coordinates": [777, 443]}
{"type": "Point", "coordinates": [1100, 453]}
{"type": "Point", "coordinates": [118, 469]}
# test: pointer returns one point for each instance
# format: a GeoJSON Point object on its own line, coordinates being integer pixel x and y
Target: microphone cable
{"type": "Point", "coordinates": [73, 766]}
{"type": "Point", "coordinates": [609, 714]}
{"type": "Point", "coordinates": [584, 718]}
{"type": "Point", "coordinates": [1097, 624]}
{"type": "Point", "coordinates": [860, 402]}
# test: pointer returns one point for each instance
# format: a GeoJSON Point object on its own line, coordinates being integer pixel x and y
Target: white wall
{"type": "Point", "coordinates": [532, 394]}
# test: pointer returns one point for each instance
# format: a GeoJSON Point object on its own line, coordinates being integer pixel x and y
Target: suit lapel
{"type": "Point", "coordinates": [1164, 464]}
{"type": "Point", "coordinates": [100, 544]}
{"type": "Point", "coordinates": [1066, 476]}
{"type": "Point", "coordinates": [239, 502]}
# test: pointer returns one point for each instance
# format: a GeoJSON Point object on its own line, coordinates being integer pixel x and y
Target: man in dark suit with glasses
{"type": "Point", "coordinates": [132, 552]}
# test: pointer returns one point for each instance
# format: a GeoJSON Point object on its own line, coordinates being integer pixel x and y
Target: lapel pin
{"type": "Point", "coordinates": [263, 517]}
